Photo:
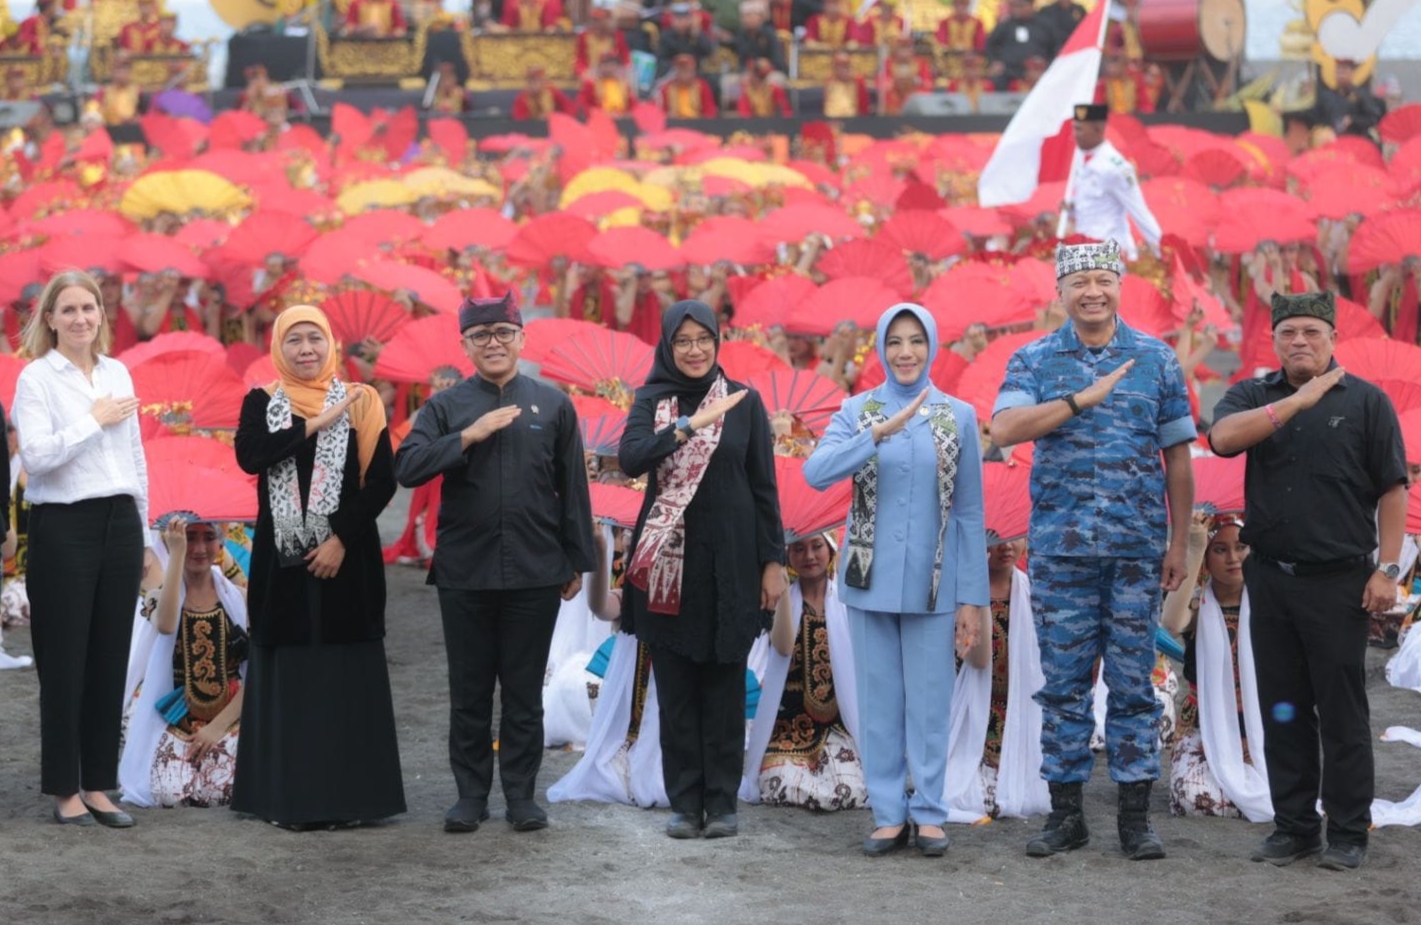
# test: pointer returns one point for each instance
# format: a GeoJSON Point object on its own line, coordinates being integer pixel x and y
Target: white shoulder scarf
{"type": "Point", "coordinates": [1245, 783]}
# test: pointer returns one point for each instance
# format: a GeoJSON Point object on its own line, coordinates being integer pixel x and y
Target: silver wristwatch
{"type": "Point", "coordinates": [1390, 569]}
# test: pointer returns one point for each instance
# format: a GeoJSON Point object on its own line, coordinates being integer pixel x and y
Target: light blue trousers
{"type": "Point", "coordinates": [905, 667]}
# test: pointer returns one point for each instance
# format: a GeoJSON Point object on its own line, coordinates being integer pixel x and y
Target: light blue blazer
{"type": "Point", "coordinates": [905, 540]}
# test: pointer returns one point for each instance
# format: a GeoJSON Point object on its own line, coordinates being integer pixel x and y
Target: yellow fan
{"type": "Point", "coordinates": [597, 180]}
{"type": "Point", "coordinates": [184, 193]}
{"type": "Point", "coordinates": [374, 194]}
{"type": "Point", "coordinates": [442, 182]}
{"type": "Point", "coordinates": [621, 218]}
{"type": "Point", "coordinates": [669, 177]}
{"type": "Point", "coordinates": [753, 174]}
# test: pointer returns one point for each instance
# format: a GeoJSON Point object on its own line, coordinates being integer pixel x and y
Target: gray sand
{"type": "Point", "coordinates": [613, 864]}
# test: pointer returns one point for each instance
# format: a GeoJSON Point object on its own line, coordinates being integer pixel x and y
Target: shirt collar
{"type": "Point", "coordinates": [1068, 341]}
{"type": "Point", "coordinates": [493, 389]}
{"type": "Point", "coordinates": [58, 360]}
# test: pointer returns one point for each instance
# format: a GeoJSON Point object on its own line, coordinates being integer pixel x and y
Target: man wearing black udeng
{"type": "Point", "coordinates": [515, 536]}
{"type": "Point", "coordinates": [1325, 488]}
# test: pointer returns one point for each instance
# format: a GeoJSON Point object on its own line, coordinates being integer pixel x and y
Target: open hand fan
{"type": "Point", "coordinates": [425, 285]}
{"type": "Point", "coordinates": [171, 342]}
{"type": "Point", "coordinates": [973, 293]}
{"type": "Point", "coordinates": [803, 510]}
{"type": "Point", "coordinates": [422, 346]}
{"type": "Point", "coordinates": [465, 228]}
{"type": "Point", "coordinates": [607, 363]}
{"type": "Point", "coordinates": [857, 299]}
{"type": "Point", "coordinates": [360, 314]}
{"type": "Point", "coordinates": [726, 237]}
{"type": "Point", "coordinates": [918, 231]}
{"type": "Point", "coordinates": [742, 359]}
{"type": "Point", "coordinates": [555, 234]}
{"type": "Point", "coordinates": [807, 395]}
{"type": "Point", "coordinates": [18, 269]}
{"type": "Point", "coordinates": [634, 245]}
{"type": "Point", "coordinates": [189, 387]}
{"type": "Point", "coordinates": [615, 504]}
{"type": "Point", "coordinates": [1405, 394]}
{"type": "Point", "coordinates": [982, 379]}
{"type": "Point", "coordinates": [1373, 359]}
{"type": "Point", "coordinates": [1218, 484]}
{"type": "Point", "coordinates": [385, 226]}
{"type": "Point", "coordinates": [155, 253]}
{"type": "Point", "coordinates": [201, 475]}
{"type": "Point", "coordinates": [260, 372]}
{"type": "Point", "coordinates": [794, 223]}
{"type": "Point", "coordinates": [265, 233]}
{"type": "Point", "coordinates": [542, 334]}
{"type": "Point", "coordinates": [1006, 490]}
{"type": "Point", "coordinates": [769, 303]}
{"type": "Point", "coordinates": [869, 257]}
{"type": "Point", "coordinates": [601, 435]}
{"type": "Point", "coordinates": [42, 198]}
{"type": "Point", "coordinates": [1385, 239]}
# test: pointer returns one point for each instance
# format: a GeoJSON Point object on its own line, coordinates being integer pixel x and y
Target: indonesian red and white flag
{"type": "Point", "coordinates": [1037, 146]}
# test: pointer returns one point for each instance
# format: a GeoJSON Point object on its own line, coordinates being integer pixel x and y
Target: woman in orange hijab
{"type": "Point", "coordinates": [318, 745]}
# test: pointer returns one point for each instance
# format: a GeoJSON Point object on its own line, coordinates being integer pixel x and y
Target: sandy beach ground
{"type": "Point", "coordinates": [612, 864]}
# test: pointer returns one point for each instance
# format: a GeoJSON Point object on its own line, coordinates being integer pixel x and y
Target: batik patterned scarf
{"type": "Point", "coordinates": [864, 506]}
{"type": "Point", "coordinates": [659, 560]}
{"type": "Point", "coordinates": [298, 530]}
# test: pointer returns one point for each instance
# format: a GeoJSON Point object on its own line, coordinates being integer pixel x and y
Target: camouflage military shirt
{"type": "Point", "coordinates": [1097, 482]}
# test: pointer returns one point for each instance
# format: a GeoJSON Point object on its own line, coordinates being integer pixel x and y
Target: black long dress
{"type": "Point", "coordinates": [318, 724]}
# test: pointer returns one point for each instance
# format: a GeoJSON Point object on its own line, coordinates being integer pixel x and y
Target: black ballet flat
{"type": "Point", "coordinates": [933, 847]}
{"type": "Point", "coordinates": [878, 847]}
{"type": "Point", "coordinates": [83, 819]}
{"type": "Point", "coordinates": [118, 819]}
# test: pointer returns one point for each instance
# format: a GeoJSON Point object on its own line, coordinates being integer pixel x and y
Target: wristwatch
{"type": "Point", "coordinates": [683, 424]}
{"type": "Point", "coordinates": [1390, 569]}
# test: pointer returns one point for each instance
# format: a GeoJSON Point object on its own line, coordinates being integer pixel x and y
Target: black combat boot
{"type": "Point", "coordinates": [1065, 827]}
{"type": "Point", "coordinates": [1137, 837]}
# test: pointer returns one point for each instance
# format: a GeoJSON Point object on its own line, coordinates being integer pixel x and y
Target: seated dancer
{"type": "Point", "coordinates": [539, 98]}
{"type": "Point", "coordinates": [181, 747]}
{"type": "Point", "coordinates": [622, 762]}
{"type": "Point", "coordinates": [450, 97]}
{"type": "Point", "coordinates": [759, 96]}
{"type": "Point", "coordinates": [1213, 773]}
{"type": "Point", "coordinates": [533, 15]}
{"type": "Point", "coordinates": [845, 93]}
{"type": "Point", "coordinates": [687, 95]}
{"type": "Point", "coordinates": [607, 88]}
{"type": "Point", "coordinates": [374, 19]}
{"type": "Point", "coordinates": [139, 36]}
{"type": "Point", "coordinates": [166, 41]}
{"type": "Point", "coordinates": [994, 738]}
{"type": "Point", "coordinates": [803, 750]}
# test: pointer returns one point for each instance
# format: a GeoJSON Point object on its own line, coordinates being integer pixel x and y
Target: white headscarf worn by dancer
{"type": "Point", "coordinates": [841, 662]}
{"type": "Point", "coordinates": [1020, 790]}
{"type": "Point", "coordinates": [146, 724]}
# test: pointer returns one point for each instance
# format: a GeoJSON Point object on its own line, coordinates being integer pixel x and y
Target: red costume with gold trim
{"type": "Point", "coordinates": [1125, 93]}
{"type": "Point", "coordinates": [879, 31]}
{"type": "Point", "coordinates": [140, 36]}
{"type": "Point", "coordinates": [837, 32]}
{"type": "Point", "coordinates": [845, 99]}
{"type": "Point", "coordinates": [532, 15]}
{"type": "Point", "coordinates": [688, 100]}
{"type": "Point", "coordinates": [762, 101]}
{"type": "Point", "coordinates": [385, 15]}
{"type": "Point", "coordinates": [612, 95]}
{"type": "Point", "coordinates": [591, 47]}
{"type": "Point", "coordinates": [549, 100]}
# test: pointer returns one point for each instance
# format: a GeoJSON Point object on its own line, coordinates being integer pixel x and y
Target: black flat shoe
{"type": "Point", "coordinates": [1342, 856]}
{"type": "Point", "coordinates": [726, 826]}
{"type": "Point", "coordinates": [1282, 848]}
{"type": "Point", "coordinates": [932, 847]}
{"type": "Point", "coordinates": [526, 816]}
{"type": "Point", "coordinates": [82, 819]}
{"type": "Point", "coordinates": [465, 815]}
{"type": "Point", "coordinates": [118, 819]}
{"type": "Point", "coordinates": [877, 847]}
{"type": "Point", "coordinates": [684, 825]}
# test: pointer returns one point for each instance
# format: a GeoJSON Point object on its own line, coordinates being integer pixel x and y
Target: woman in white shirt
{"type": "Point", "coordinates": [88, 484]}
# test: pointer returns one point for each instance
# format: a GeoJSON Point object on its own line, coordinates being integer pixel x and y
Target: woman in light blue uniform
{"type": "Point", "coordinates": [915, 555]}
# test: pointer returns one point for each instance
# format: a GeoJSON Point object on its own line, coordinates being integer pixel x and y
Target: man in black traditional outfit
{"type": "Point", "coordinates": [515, 536]}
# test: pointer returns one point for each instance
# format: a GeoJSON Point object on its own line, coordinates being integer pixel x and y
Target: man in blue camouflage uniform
{"type": "Point", "coordinates": [1102, 401]}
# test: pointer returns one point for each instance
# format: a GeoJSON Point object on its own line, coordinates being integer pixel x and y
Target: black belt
{"type": "Point", "coordinates": [1308, 569]}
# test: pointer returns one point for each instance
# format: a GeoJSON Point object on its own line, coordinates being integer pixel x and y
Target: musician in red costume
{"type": "Point", "coordinates": [538, 98]}
{"type": "Point", "coordinates": [882, 26]}
{"type": "Point", "coordinates": [600, 38]}
{"type": "Point", "coordinates": [32, 37]}
{"type": "Point", "coordinates": [960, 33]}
{"type": "Point", "coordinates": [833, 28]}
{"type": "Point", "coordinates": [687, 95]}
{"type": "Point", "coordinates": [375, 19]}
{"type": "Point", "coordinates": [1122, 87]}
{"type": "Point", "coordinates": [450, 97]}
{"type": "Point", "coordinates": [759, 98]}
{"type": "Point", "coordinates": [845, 93]}
{"type": "Point", "coordinates": [167, 41]}
{"type": "Point", "coordinates": [533, 15]}
{"type": "Point", "coordinates": [139, 36]}
{"type": "Point", "coordinates": [904, 74]}
{"type": "Point", "coordinates": [974, 80]}
{"type": "Point", "coordinates": [607, 89]}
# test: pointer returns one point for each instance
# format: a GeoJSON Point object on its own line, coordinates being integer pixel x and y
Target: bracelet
{"type": "Point", "coordinates": [1273, 416]}
{"type": "Point", "coordinates": [1070, 401]}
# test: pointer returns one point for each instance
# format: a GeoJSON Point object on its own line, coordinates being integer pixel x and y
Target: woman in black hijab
{"type": "Point", "coordinates": [706, 565]}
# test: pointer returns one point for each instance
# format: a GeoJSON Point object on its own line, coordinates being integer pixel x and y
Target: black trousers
{"type": "Point", "coordinates": [85, 563]}
{"type": "Point", "coordinates": [503, 637]}
{"type": "Point", "coordinates": [702, 708]}
{"type": "Point", "coordinates": [1309, 648]}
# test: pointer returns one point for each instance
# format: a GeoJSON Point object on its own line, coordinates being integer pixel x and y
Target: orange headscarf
{"type": "Point", "coordinates": [308, 396]}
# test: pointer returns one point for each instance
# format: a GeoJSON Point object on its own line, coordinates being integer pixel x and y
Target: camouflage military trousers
{"type": "Point", "coordinates": [1088, 608]}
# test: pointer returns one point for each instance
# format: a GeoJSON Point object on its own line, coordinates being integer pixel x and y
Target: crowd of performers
{"type": "Point", "coordinates": [910, 667]}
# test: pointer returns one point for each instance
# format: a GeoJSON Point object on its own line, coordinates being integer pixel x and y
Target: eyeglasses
{"type": "Point", "coordinates": [684, 344]}
{"type": "Point", "coordinates": [1287, 334]}
{"type": "Point", "coordinates": [481, 338]}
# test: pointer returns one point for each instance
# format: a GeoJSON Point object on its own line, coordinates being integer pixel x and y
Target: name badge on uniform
{"type": "Point", "coordinates": [1023, 35]}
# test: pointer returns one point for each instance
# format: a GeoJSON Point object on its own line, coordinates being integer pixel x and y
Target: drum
{"type": "Point", "coordinates": [1182, 30]}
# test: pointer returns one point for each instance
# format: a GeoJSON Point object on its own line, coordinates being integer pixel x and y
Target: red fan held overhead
{"type": "Point", "coordinates": [976, 293]}
{"type": "Point", "coordinates": [155, 253]}
{"type": "Point", "coordinates": [171, 342]}
{"type": "Point", "coordinates": [769, 303]}
{"type": "Point", "coordinates": [792, 224]}
{"type": "Point", "coordinates": [1372, 359]}
{"type": "Point", "coordinates": [803, 510]}
{"type": "Point", "coordinates": [266, 234]}
{"type": "Point", "coordinates": [726, 237]}
{"type": "Point", "coordinates": [1218, 484]}
{"type": "Point", "coordinates": [542, 334]}
{"type": "Point", "coordinates": [189, 389]}
{"type": "Point", "coordinates": [1385, 239]}
{"type": "Point", "coordinates": [198, 474]}
{"type": "Point", "coordinates": [742, 359]}
{"type": "Point", "coordinates": [10, 367]}
{"type": "Point", "coordinates": [918, 231]}
{"type": "Point", "coordinates": [426, 286]}
{"type": "Point", "coordinates": [982, 379]}
{"type": "Point", "coordinates": [807, 395]}
{"type": "Point", "coordinates": [465, 228]}
{"type": "Point", "coordinates": [360, 314]}
{"type": "Point", "coordinates": [634, 246]}
{"type": "Point", "coordinates": [549, 236]}
{"type": "Point", "coordinates": [606, 363]}
{"type": "Point", "coordinates": [602, 435]}
{"type": "Point", "coordinates": [615, 505]}
{"type": "Point", "coordinates": [421, 347]}
{"type": "Point", "coordinates": [857, 299]}
{"type": "Point", "coordinates": [1006, 488]}
{"type": "Point", "coordinates": [869, 258]}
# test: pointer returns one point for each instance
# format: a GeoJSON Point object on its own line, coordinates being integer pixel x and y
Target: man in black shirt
{"type": "Point", "coordinates": [1014, 40]}
{"type": "Point", "coordinates": [1325, 485]}
{"type": "Point", "coordinates": [515, 536]}
{"type": "Point", "coordinates": [1061, 18]}
{"type": "Point", "coordinates": [1349, 109]}
{"type": "Point", "coordinates": [683, 38]}
{"type": "Point", "coordinates": [757, 39]}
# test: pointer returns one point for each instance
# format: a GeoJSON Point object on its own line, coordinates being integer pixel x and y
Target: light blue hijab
{"type": "Point", "coordinates": [891, 383]}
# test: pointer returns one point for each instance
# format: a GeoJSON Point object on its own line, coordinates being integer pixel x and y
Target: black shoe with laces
{"type": "Point", "coordinates": [1343, 856]}
{"type": "Point", "coordinates": [1283, 848]}
{"type": "Point", "coordinates": [1065, 828]}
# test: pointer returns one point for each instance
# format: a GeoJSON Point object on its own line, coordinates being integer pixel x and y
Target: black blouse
{"type": "Point", "coordinates": [733, 530]}
{"type": "Point", "coordinates": [287, 606]}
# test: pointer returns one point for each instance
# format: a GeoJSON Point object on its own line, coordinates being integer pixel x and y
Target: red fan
{"type": "Point", "coordinates": [726, 237]}
{"type": "Point", "coordinates": [1413, 510]}
{"type": "Point", "coordinates": [808, 396]}
{"type": "Point", "coordinates": [602, 362]}
{"type": "Point", "coordinates": [1401, 124]}
{"type": "Point", "coordinates": [385, 226]}
{"type": "Point", "coordinates": [450, 136]}
{"type": "Point", "coordinates": [201, 475]}
{"type": "Point", "coordinates": [677, 139]}
{"type": "Point", "coordinates": [1373, 359]}
{"type": "Point", "coordinates": [194, 387]}
{"type": "Point", "coordinates": [600, 435]}
{"type": "Point", "coordinates": [426, 286]}
{"type": "Point", "coordinates": [1405, 164]}
{"type": "Point", "coordinates": [972, 293]}
{"type": "Point", "coordinates": [1385, 239]}
{"type": "Point", "coordinates": [300, 137]}
{"type": "Point", "coordinates": [1354, 321]}
{"type": "Point", "coordinates": [464, 228]}
{"type": "Point", "coordinates": [743, 359]}
{"type": "Point", "coordinates": [358, 314]}
{"type": "Point", "coordinates": [1244, 227]}
{"type": "Point", "coordinates": [267, 233]}
{"type": "Point", "coordinates": [976, 221]}
{"type": "Point", "coordinates": [1045, 200]}
{"type": "Point", "coordinates": [1218, 168]}
{"type": "Point", "coordinates": [879, 189]}
{"type": "Point", "coordinates": [18, 269]}
{"type": "Point", "coordinates": [259, 372]}
{"type": "Point", "coordinates": [155, 253]}
{"type": "Point", "coordinates": [793, 224]}
{"type": "Point", "coordinates": [1275, 150]}
{"type": "Point", "coordinates": [91, 252]}
{"type": "Point", "coordinates": [1006, 491]}
{"type": "Point", "coordinates": [172, 136]}
{"type": "Point", "coordinates": [723, 187]}
{"type": "Point", "coordinates": [1144, 307]}
{"type": "Point", "coordinates": [45, 196]}
{"type": "Point", "coordinates": [542, 334]}
{"type": "Point", "coordinates": [946, 370]}
{"type": "Point", "coordinates": [555, 234]}
{"type": "Point", "coordinates": [857, 299]}
{"type": "Point", "coordinates": [594, 206]}
{"type": "Point", "coordinates": [922, 232]}
{"type": "Point", "coordinates": [203, 234]}
{"type": "Point", "coordinates": [868, 257]}
{"type": "Point", "coordinates": [83, 222]}
{"type": "Point", "coordinates": [769, 303]}
{"type": "Point", "coordinates": [982, 379]}
{"type": "Point", "coordinates": [1366, 192]}
{"type": "Point", "coordinates": [244, 168]}
{"type": "Point", "coordinates": [634, 245]}
{"type": "Point", "coordinates": [616, 505]}
{"type": "Point", "coordinates": [1405, 395]}
{"type": "Point", "coordinates": [10, 366]}
{"type": "Point", "coordinates": [593, 406]}
{"type": "Point", "coordinates": [277, 197]}
{"type": "Point", "coordinates": [420, 347]}
{"type": "Point", "coordinates": [241, 355]}
{"type": "Point", "coordinates": [1218, 484]}
{"type": "Point", "coordinates": [1411, 435]}
{"type": "Point", "coordinates": [336, 255]}
{"type": "Point", "coordinates": [234, 129]}
{"type": "Point", "coordinates": [171, 342]}
{"type": "Point", "coordinates": [918, 197]}
{"type": "Point", "coordinates": [803, 510]}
